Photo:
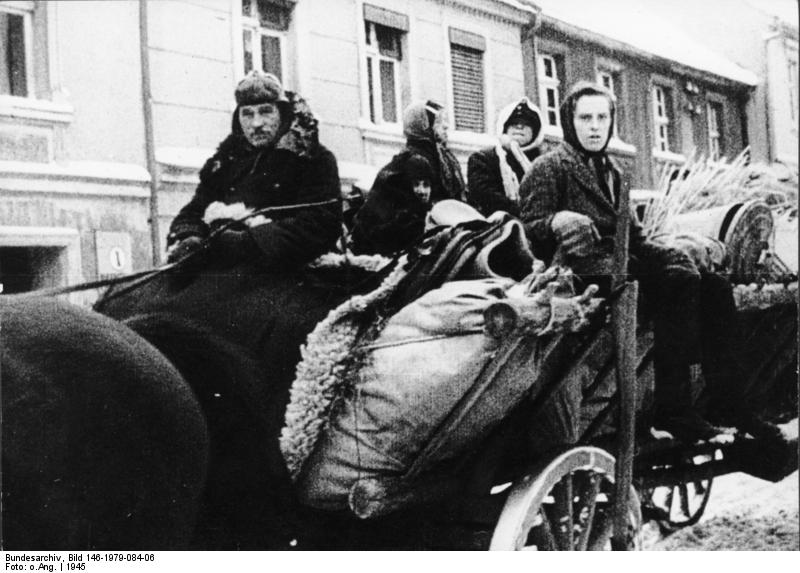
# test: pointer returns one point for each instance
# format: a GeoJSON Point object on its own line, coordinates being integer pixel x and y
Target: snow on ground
{"type": "Point", "coordinates": [786, 247]}
{"type": "Point", "coordinates": [743, 513]}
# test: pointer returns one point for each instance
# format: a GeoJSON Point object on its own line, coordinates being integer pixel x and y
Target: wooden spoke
{"type": "Point", "coordinates": [602, 530]}
{"type": "Point", "coordinates": [587, 501]}
{"type": "Point", "coordinates": [564, 503]}
{"type": "Point", "coordinates": [547, 531]}
{"type": "Point", "coordinates": [679, 505]}
{"type": "Point", "coordinates": [669, 501]}
{"type": "Point", "coordinates": [562, 513]}
{"type": "Point", "coordinates": [683, 498]}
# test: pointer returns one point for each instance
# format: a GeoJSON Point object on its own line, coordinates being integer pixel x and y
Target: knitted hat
{"type": "Point", "coordinates": [522, 108]}
{"type": "Point", "coordinates": [417, 168]}
{"type": "Point", "coordinates": [523, 111]}
{"type": "Point", "coordinates": [259, 87]}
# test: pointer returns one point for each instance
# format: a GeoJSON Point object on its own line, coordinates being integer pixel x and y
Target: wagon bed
{"type": "Point", "coordinates": [513, 490]}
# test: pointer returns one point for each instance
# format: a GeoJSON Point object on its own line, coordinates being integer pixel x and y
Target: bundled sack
{"type": "Point", "coordinates": [427, 357]}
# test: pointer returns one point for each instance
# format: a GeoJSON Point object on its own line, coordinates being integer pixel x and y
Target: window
{"type": "Point", "coordinates": [386, 70]}
{"type": "Point", "coordinates": [662, 112]}
{"type": "Point", "coordinates": [264, 26]}
{"type": "Point", "coordinates": [466, 61]}
{"type": "Point", "coordinates": [15, 51]}
{"type": "Point", "coordinates": [610, 79]}
{"type": "Point", "coordinates": [715, 143]}
{"type": "Point", "coordinates": [384, 55]}
{"type": "Point", "coordinates": [549, 98]}
{"type": "Point", "coordinates": [793, 87]}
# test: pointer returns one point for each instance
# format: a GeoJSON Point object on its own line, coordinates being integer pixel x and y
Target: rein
{"type": "Point", "coordinates": [142, 277]}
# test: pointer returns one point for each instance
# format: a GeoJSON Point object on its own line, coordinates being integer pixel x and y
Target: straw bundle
{"type": "Point", "coordinates": [701, 183]}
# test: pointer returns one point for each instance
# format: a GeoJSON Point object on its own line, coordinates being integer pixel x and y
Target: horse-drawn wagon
{"type": "Point", "coordinates": [564, 408]}
{"type": "Point", "coordinates": [528, 440]}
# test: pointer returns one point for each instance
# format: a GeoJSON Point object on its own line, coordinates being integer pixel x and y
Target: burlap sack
{"type": "Point", "coordinates": [426, 358]}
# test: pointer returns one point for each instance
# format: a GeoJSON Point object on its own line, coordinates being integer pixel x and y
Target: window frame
{"type": "Point", "coordinates": [253, 25]}
{"type": "Point", "coordinates": [613, 71]}
{"type": "Point", "coordinates": [546, 82]}
{"type": "Point", "coordinates": [25, 10]}
{"type": "Point", "coordinates": [715, 133]}
{"type": "Point", "coordinates": [792, 73]}
{"type": "Point", "coordinates": [373, 59]}
{"type": "Point", "coordinates": [665, 119]}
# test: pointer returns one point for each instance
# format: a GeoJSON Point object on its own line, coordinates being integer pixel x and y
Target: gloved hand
{"type": "Point", "coordinates": [231, 247]}
{"type": "Point", "coordinates": [184, 248]}
{"type": "Point", "coordinates": [708, 254]}
{"type": "Point", "coordinates": [576, 234]}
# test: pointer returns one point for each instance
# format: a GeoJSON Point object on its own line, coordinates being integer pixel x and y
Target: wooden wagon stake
{"type": "Point", "coordinates": [624, 327]}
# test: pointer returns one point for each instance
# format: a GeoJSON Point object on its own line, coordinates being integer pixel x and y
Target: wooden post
{"type": "Point", "coordinates": [149, 134]}
{"type": "Point", "coordinates": [623, 318]}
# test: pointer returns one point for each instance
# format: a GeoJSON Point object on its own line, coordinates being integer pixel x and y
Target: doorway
{"type": "Point", "coordinates": [24, 269]}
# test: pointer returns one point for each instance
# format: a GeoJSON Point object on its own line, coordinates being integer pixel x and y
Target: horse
{"type": "Point", "coordinates": [104, 445]}
{"type": "Point", "coordinates": [147, 433]}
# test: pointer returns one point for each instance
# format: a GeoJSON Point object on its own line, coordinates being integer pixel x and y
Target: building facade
{"type": "Point", "coordinates": [108, 109]}
{"type": "Point", "coordinates": [762, 36]}
{"type": "Point", "coordinates": [675, 97]}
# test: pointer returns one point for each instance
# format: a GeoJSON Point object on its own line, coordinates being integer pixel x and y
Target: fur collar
{"type": "Point", "coordinates": [301, 139]}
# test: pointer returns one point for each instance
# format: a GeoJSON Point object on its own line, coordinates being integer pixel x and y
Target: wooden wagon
{"type": "Point", "coordinates": [574, 465]}
{"type": "Point", "coordinates": [567, 467]}
{"type": "Point", "coordinates": [549, 477]}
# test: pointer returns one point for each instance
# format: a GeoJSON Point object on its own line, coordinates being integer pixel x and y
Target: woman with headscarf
{"type": "Point", "coordinates": [423, 173]}
{"type": "Point", "coordinates": [570, 208]}
{"type": "Point", "coordinates": [493, 174]}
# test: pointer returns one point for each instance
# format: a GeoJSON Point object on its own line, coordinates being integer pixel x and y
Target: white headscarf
{"type": "Point", "coordinates": [506, 144]}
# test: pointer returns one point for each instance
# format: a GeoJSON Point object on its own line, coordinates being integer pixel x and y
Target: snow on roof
{"type": "Point", "coordinates": [629, 22]}
{"type": "Point", "coordinates": [520, 5]}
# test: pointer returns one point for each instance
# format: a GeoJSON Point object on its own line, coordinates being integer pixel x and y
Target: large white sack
{"type": "Point", "coordinates": [426, 358]}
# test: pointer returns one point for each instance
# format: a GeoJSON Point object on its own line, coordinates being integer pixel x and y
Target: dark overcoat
{"type": "Point", "coordinates": [392, 217]}
{"type": "Point", "coordinates": [270, 178]}
{"type": "Point", "coordinates": [561, 180]}
{"type": "Point", "coordinates": [265, 303]}
{"type": "Point", "coordinates": [485, 182]}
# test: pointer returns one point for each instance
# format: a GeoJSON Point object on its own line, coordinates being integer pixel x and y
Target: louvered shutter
{"type": "Point", "coordinates": [468, 96]}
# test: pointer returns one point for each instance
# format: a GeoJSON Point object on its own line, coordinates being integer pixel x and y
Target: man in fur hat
{"type": "Point", "coordinates": [248, 299]}
{"type": "Point", "coordinates": [570, 210]}
{"type": "Point", "coordinates": [272, 158]}
{"type": "Point", "coordinates": [494, 174]}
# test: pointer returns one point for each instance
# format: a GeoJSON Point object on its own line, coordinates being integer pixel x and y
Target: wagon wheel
{"type": "Point", "coordinates": [680, 505]}
{"type": "Point", "coordinates": [567, 505]}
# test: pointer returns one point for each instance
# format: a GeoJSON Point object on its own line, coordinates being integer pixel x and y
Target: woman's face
{"type": "Point", "coordinates": [440, 126]}
{"type": "Point", "coordinates": [260, 123]}
{"type": "Point", "coordinates": [592, 122]}
{"type": "Point", "coordinates": [422, 189]}
{"type": "Point", "coordinates": [520, 131]}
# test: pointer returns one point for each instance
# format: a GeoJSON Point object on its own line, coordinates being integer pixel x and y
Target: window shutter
{"type": "Point", "coordinates": [386, 17]}
{"type": "Point", "coordinates": [468, 96]}
{"type": "Point", "coordinates": [467, 39]}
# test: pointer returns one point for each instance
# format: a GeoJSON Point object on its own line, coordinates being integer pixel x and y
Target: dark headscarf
{"type": "Point", "coordinates": [579, 90]}
{"type": "Point", "coordinates": [418, 119]}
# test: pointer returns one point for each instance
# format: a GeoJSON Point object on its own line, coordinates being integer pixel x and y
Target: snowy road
{"type": "Point", "coordinates": [744, 513]}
